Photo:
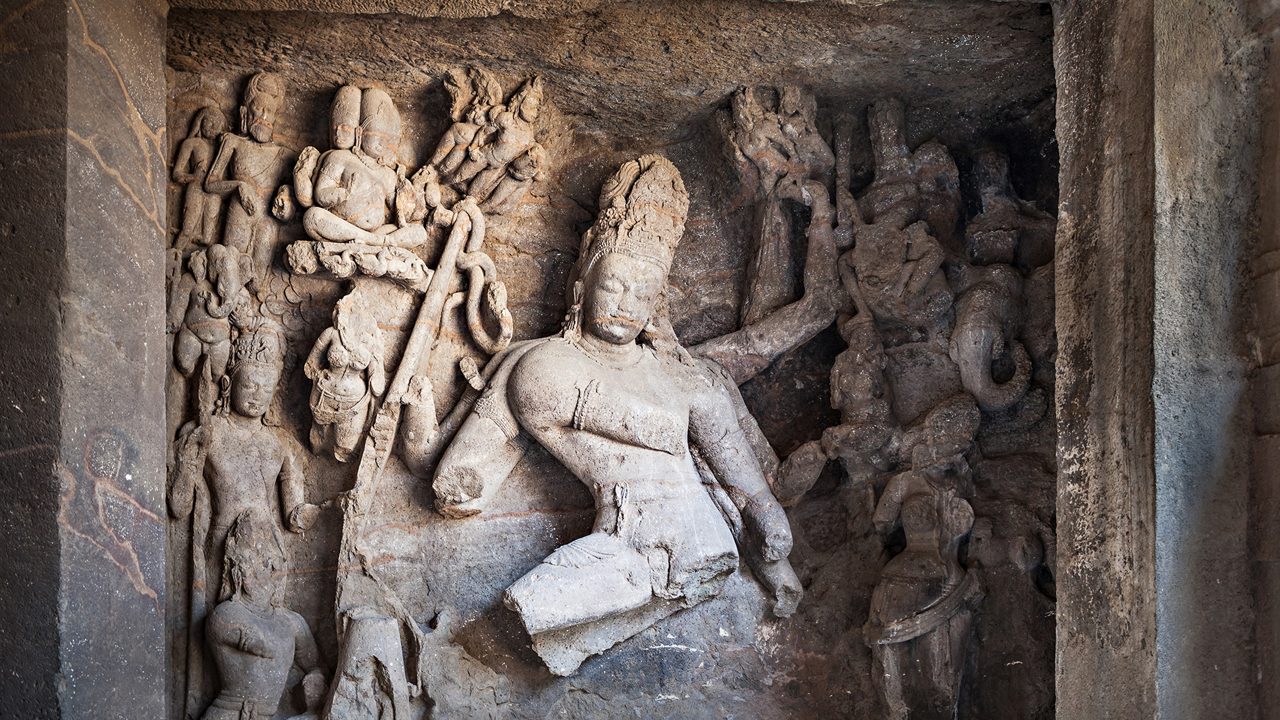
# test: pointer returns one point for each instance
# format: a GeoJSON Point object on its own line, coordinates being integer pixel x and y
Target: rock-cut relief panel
{"type": "Point", "coordinates": [945, 373]}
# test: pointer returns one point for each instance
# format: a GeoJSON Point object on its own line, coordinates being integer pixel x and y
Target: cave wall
{"type": "Point", "coordinates": [621, 81]}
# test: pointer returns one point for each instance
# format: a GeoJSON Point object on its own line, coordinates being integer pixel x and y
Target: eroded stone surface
{"type": "Point", "coordinates": [441, 580]}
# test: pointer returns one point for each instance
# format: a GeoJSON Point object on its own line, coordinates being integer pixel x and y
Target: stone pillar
{"type": "Point", "coordinates": [1207, 64]}
{"type": "Point", "coordinates": [83, 359]}
{"type": "Point", "coordinates": [1264, 387]}
{"type": "Point", "coordinates": [1106, 656]}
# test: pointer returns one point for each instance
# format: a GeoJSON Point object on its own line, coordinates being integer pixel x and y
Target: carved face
{"type": "Point", "coordinates": [621, 294]}
{"type": "Point", "coordinates": [260, 117]}
{"type": "Point", "coordinates": [377, 144]}
{"type": "Point", "coordinates": [261, 580]}
{"type": "Point", "coordinates": [252, 388]}
{"type": "Point", "coordinates": [226, 273]}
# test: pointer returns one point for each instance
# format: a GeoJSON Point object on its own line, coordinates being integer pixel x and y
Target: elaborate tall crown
{"type": "Point", "coordinates": [261, 342]}
{"type": "Point", "coordinates": [345, 111]}
{"type": "Point", "coordinates": [642, 211]}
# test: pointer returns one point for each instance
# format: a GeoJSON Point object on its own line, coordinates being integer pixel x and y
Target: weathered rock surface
{"type": "Point", "coordinates": [622, 80]}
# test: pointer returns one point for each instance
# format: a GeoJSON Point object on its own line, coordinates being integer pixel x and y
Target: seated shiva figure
{"type": "Point", "coordinates": [643, 424]}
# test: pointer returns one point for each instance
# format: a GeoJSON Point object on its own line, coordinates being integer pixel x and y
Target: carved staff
{"type": "Point", "coordinates": [358, 584]}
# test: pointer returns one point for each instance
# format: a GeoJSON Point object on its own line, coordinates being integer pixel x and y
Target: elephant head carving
{"type": "Point", "coordinates": [982, 343]}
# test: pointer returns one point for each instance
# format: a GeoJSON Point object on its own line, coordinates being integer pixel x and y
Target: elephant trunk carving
{"type": "Point", "coordinates": [980, 338]}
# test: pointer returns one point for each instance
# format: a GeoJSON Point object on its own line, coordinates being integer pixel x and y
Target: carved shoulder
{"type": "Point", "coordinates": [542, 388]}
{"type": "Point", "coordinates": [225, 622]}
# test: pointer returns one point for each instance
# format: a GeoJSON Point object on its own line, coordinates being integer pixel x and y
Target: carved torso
{"type": "Point", "coordinates": [242, 464]}
{"type": "Point", "coordinates": [623, 430]}
{"type": "Point", "coordinates": [258, 164]}
{"type": "Point", "coordinates": [254, 648]}
{"type": "Point", "coordinates": [370, 188]}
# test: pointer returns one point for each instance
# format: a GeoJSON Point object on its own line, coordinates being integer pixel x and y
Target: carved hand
{"type": "Point", "coordinates": [247, 200]}
{"type": "Point", "coordinates": [314, 687]}
{"type": "Point", "coordinates": [248, 641]}
{"type": "Point", "coordinates": [283, 206]}
{"type": "Point", "coordinates": [303, 517]}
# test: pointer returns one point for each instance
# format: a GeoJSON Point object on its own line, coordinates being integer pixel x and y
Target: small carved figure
{"type": "Point", "coordinates": [509, 135]}
{"type": "Point", "coordinates": [251, 166]}
{"type": "Point", "coordinates": [899, 274]}
{"type": "Point", "coordinates": [232, 464]}
{"type": "Point", "coordinates": [777, 148]}
{"type": "Point", "coordinates": [344, 121]}
{"type": "Point", "coordinates": [346, 369]}
{"type": "Point", "coordinates": [910, 186]}
{"type": "Point", "coordinates": [510, 188]}
{"type": "Point", "coordinates": [922, 607]}
{"type": "Point", "coordinates": [200, 309]}
{"type": "Point", "coordinates": [200, 209]}
{"type": "Point", "coordinates": [982, 341]}
{"type": "Point", "coordinates": [256, 641]}
{"type": "Point", "coordinates": [363, 196]}
{"type": "Point", "coordinates": [475, 93]}
{"type": "Point", "coordinates": [217, 450]}
{"type": "Point", "coordinates": [1009, 229]}
{"type": "Point", "coordinates": [624, 407]}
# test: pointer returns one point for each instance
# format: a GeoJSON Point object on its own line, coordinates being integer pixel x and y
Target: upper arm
{"type": "Point", "coordinates": [306, 652]}
{"type": "Point", "coordinates": [541, 392]}
{"type": "Point", "coordinates": [226, 148]}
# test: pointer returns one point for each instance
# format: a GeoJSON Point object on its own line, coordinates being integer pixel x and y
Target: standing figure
{"type": "Point", "coordinates": [200, 308]}
{"type": "Point", "coordinates": [232, 464]}
{"type": "Point", "coordinates": [200, 209]}
{"type": "Point", "coordinates": [251, 166]}
{"type": "Point", "coordinates": [922, 607]}
{"type": "Point", "coordinates": [346, 369]}
{"type": "Point", "coordinates": [621, 404]}
{"type": "Point", "coordinates": [367, 199]}
{"type": "Point", "coordinates": [256, 641]}
{"type": "Point", "coordinates": [511, 135]}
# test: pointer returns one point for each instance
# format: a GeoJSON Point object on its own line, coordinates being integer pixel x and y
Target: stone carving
{"type": "Point", "coordinates": [475, 93]}
{"type": "Point", "coordinates": [685, 484]}
{"type": "Point", "coordinates": [249, 168]}
{"type": "Point", "coordinates": [933, 344]}
{"type": "Point", "coordinates": [508, 136]}
{"type": "Point", "coordinates": [368, 221]}
{"type": "Point", "coordinates": [360, 191]}
{"type": "Point", "coordinates": [200, 209]}
{"type": "Point", "coordinates": [256, 641]}
{"type": "Point", "coordinates": [345, 367]}
{"type": "Point", "coordinates": [922, 608]}
{"type": "Point", "coordinates": [777, 148]}
{"type": "Point", "coordinates": [229, 465]}
{"type": "Point", "coordinates": [200, 307]}
{"type": "Point", "coordinates": [620, 403]}
{"type": "Point", "coordinates": [1009, 229]}
{"type": "Point", "coordinates": [986, 318]}
{"type": "Point", "coordinates": [911, 186]}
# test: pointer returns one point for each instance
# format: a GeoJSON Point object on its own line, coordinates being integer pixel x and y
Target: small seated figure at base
{"type": "Point", "coordinates": [256, 642]}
